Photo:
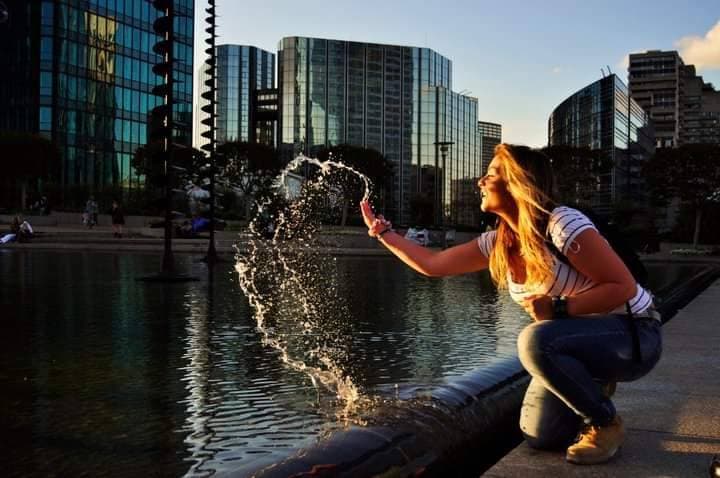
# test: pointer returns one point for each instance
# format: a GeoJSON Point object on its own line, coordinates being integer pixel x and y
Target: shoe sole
{"type": "Point", "coordinates": [592, 461]}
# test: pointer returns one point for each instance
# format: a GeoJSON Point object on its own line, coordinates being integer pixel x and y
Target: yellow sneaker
{"type": "Point", "coordinates": [597, 444]}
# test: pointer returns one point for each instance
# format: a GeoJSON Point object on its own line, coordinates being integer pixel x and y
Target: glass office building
{"type": "Point", "coordinates": [80, 73]}
{"type": "Point", "coordinates": [602, 116]}
{"type": "Point", "coordinates": [242, 70]}
{"type": "Point", "coordinates": [395, 99]}
{"type": "Point", "coordinates": [490, 136]}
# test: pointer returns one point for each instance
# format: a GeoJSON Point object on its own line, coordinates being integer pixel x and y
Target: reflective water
{"type": "Point", "coordinates": [101, 374]}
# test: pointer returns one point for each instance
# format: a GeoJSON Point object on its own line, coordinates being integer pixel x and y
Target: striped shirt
{"type": "Point", "coordinates": [564, 226]}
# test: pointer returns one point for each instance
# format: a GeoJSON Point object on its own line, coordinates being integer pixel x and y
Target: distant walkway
{"type": "Point", "coordinates": [672, 414]}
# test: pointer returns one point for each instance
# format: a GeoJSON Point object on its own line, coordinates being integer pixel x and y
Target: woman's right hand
{"type": "Point", "coordinates": [375, 224]}
{"type": "Point", "coordinates": [367, 213]}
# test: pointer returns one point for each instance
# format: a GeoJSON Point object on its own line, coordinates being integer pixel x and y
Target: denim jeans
{"type": "Point", "coordinates": [569, 360]}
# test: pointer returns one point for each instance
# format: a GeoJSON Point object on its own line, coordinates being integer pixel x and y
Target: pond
{"type": "Point", "coordinates": [101, 374]}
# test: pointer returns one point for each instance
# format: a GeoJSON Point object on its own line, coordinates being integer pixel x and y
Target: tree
{"type": "Point", "coordinates": [249, 168]}
{"type": "Point", "coordinates": [577, 172]}
{"type": "Point", "coordinates": [367, 161]}
{"type": "Point", "coordinates": [30, 158]}
{"type": "Point", "coordinates": [187, 165]}
{"type": "Point", "coordinates": [690, 172]}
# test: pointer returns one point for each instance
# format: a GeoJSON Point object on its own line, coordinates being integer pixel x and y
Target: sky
{"type": "Point", "coordinates": [519, 58]}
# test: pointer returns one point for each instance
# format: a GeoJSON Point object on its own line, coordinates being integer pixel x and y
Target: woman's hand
{"type": "Point", "coordinates": [367, 213]}
{"type": "Point", "coordinates": [375, 224]}
{"type": "Point", "coordinates": [539, 307]}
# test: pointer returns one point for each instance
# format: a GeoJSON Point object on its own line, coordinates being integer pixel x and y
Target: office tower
{"type": "Point", "coordinates": [490, 136]}
{"type": "Point", "coordinates": [395, 99]}
{"type": "Point", "coordinates": [683, 107]}
{"type": "Point", "coordinates": [700, 110]}
{"type": "Point", "coordinates": [242, 71]}
{"type": "Point", "coordinates": [602, 116]}
{"type": "Point", "coordinates": [80, 74]}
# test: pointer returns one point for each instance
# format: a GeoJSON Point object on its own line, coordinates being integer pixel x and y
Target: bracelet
{"type": "Point", "coordinates": [387, 229]}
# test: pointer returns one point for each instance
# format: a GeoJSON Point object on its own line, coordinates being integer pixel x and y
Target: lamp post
{"type": "Point", "coordinates": [444, 147]}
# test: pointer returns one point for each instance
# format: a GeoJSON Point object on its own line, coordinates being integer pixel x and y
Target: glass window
{"type": "Point", "coordinates": [45, 118]}
{"type": "Point", "coordinates": [126, 131]}
{"type": "Point", "coordinates": [46, 12]}
{"type": "Point", "coordinates": [46, 48]}
{"type": "Point", "coordinates": [118, 130]}
{"type": "Point", "coordinates": [45, 83]}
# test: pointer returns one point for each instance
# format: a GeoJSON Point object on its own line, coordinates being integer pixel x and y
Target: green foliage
{"type": "Point", "coordinates": [351, 188]}
{"type": "Point", "coordinates": [690, 172]}
{"type": "Point", "coordinates": [248, 167]}
{"type": "Point", "coordinates": [28, 160]}
{"type": "Point", "coordinates": [34, 157]}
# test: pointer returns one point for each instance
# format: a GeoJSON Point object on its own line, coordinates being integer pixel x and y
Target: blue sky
{"type": "Point", "coordinates": [520, 58]}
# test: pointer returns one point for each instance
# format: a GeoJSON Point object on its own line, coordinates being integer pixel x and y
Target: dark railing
{"type": "Point", "coordinates": [457, 429]}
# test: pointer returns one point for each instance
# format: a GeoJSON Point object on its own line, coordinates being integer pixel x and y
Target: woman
{"type": "Point", "coordinates": [579, 338]}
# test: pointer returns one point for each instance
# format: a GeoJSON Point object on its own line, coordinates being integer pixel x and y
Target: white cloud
{"type": "Point", "coordinates": [556, 70]}
{"type": "Point", "coordinates": [624, 63]}
{"type": "Point", "coordinates": [703, 52]}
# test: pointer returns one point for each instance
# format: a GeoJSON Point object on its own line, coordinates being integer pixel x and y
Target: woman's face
{"type": "Point", "coordinates": [494, 194]}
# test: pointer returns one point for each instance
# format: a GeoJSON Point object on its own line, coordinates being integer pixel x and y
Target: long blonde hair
{"type": "Point", "coordinates": [529, 181]}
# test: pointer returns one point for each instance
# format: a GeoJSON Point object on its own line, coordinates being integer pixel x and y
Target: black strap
{"type": "Point", "coordinates": [630, 318]}
{"type": "Point", "coordinates": [632, 325]}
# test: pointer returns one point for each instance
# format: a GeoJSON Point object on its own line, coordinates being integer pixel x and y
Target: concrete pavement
{"type": "Point", "coordinates": [672, 414]}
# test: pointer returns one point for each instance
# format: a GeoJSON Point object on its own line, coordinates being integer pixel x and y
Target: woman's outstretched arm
{"type": "Point", "coordinates": [456, 260]}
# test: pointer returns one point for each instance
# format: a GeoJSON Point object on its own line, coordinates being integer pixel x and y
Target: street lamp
{"type": "Point", "coordinates": [444, 148]}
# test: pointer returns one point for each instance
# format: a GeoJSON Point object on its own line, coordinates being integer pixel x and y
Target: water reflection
{"type": "Point", "coordinates": [104, 375]}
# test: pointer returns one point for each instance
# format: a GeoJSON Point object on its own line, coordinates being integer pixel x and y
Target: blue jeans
{"type": "Point", "coordinates": [568, 361]}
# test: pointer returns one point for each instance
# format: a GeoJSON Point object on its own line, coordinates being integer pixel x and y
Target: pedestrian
{"type": "Point", "coordinates": [592, 324]}
{"type": "Point", "coordinates": [14, 231]}
{"type": "Point", "coordinates": [91, 212]}
{"type": "Point", "coordinates": [118, 219]}
{"type": "Point", "coordinates": [25, 231]}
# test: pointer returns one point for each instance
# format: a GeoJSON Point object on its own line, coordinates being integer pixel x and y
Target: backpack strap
{"type": "Point", "coordinates": [631, 323]}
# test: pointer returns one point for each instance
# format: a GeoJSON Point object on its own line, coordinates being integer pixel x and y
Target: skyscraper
{"type": "Point", "coordinates": [603, 117]}
{"type": "Point", "coordinates": [242, 70]}
{"type": "Point", "coordinates": [490, 136]}
{"type": "Point", "coordinates": [80, 73]}
{"type": "Point", "coordinates": [654, 81]}
{"type": "Point", "coordinates": [395, 99]}
{"type": "Point", "coordinates": [700, 110]}
{"type": "Point", "coordinates": [683, 107]}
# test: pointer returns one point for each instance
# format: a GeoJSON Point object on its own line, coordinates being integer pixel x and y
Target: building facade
{"type": "Point", "coordinates": [682, 106]}
{"type": "Point", "coordinates": [602, 116]}
{"type": "Point", "coordinates": [241, 71]}
{"type": "Point", "coordinates": [80, 73]}
{"type": "Point", "coordinates": [700, 107]}
{"type": "Point", "coordinates": [490, 136]}
{"type": "Point", "coordinates": [394, 99]}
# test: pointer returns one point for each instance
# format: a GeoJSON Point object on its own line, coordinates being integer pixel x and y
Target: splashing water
{"type": "Point", "coordinates": [291, 284]}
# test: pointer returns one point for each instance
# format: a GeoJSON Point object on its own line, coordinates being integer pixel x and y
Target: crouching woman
{"type": "Point", "coordinates": [593, 325]}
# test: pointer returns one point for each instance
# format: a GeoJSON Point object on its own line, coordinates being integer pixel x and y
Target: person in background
{"type": "Point", "coordinates": [592, 323]}
{"type": "Point", "coordinates": [25, 232]}
{"type": "Point", "coordinates": [91, 212]}
{"type": "Point", "coordinates": [118, 219]}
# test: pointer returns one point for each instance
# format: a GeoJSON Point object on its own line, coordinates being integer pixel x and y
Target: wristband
{"type": "Point", "coordinates": [559, 307]}
{"type": "Point", "coordinates": [387, 229]}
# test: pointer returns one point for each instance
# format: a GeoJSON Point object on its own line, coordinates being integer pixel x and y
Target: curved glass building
{"type": "Point", "coordinates": [602, 116]}
{"type": "Point", "coordinates": [394, 99]}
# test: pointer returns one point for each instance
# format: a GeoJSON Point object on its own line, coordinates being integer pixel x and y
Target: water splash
{"type": "Point", "coordinates": [291, 283]}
